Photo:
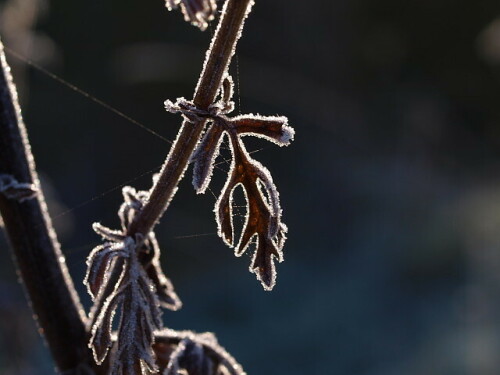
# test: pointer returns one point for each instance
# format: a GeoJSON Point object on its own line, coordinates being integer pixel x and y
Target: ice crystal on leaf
{"type": "Point", "coordinates": [263, 221]}
{"type": "Point", "coordinates": [197, 12]}
{"type": "Point", "coordinates": [185, 352]}
{"type": "Point", "coordinates": [124, 274]}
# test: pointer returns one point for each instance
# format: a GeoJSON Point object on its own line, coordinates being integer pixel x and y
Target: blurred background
{"type": "Point", "coordinates": [391, 190]}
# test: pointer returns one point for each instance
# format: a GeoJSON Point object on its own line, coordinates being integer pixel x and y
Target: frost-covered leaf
{"type": "Point", "coordinates": [101, 341]}
{"type": "Point", "coordinates": [140, 317]}
{"type": "Point", "coordinates": [133, 202]}
{"type": "Point", "coordinates": [271, 128]}
{"type": "Point", "coordinates": [107, 233]}
{"type": "Point", "coordinates": [124, 278]}
{"type": "Point", "coordinates": [164, 287]}
{"type": "Point", "coordinates": [197, 12]}
{"type": "Point", "coordinates": [135, 298]}
{"type": "Point", "coordinates": [149, 252]}
{"type": "Point", "coordinates": [263, 224]}
{"type": "Point", "coordinates": [189, 356]}
{"type": "Point", "coordinates": [204, 158]}
{"type": "Point", "coordinates": [185, 352]}
{"type": "Point", "coordinates": [99, 263]}
{"type": "Point", "coordinates": [263, 220]}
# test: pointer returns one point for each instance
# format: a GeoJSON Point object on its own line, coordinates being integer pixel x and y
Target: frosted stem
{"type": "Point", "coordinates": [217, 61]}
{"type": "Point", "coordinates": [35, 248]}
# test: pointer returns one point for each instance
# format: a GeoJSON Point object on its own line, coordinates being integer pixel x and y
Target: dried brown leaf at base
{"type": "Point", "coordinates": [134, 297]}
{"type": "Point", "coordinates": [186, 352]}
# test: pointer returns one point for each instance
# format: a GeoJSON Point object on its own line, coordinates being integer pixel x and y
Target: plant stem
{"type": "Point", "coordinates": [36, 250]}
{"type": "Point", "coordinates": [217, 61]}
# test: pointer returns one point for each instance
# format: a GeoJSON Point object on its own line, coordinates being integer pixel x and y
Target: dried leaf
{"type": "Point", "coordinates": [271, 128]}
{"type": "Point", "coordinates": [204, 158]}
{"type": "Point", "coordinates": [149, 252]}
{"type": "Point", "coordinates": [197, 12]}
{"type": "Point", "coordinates": [124, 276]}
{"type": "Point", "coordinates": [99, 263]}
{"type": "Point", "coordinates": [263, 220]}
{"type": "Point", "coordinates": [186, 352]}
{"type": "Point", "coordinates": [135, 297]}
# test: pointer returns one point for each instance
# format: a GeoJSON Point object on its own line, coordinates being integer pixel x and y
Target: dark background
{"type": "Point", "coordinates": [391, 190]}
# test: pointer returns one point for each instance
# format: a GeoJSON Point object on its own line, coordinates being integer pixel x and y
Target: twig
{"type": "Point", "coordinates": [36, 250]}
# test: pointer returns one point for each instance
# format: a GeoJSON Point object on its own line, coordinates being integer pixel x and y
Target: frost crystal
{"type": "Point", "coordinates": [197, 12]}
{"type": "Point", "coordinates": [263, 221]}
{"type": "Point", "coordinates": [13, 189]}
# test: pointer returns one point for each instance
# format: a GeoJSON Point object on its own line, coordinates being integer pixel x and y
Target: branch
{"type": "Point", "coordinates": [106, 274]}
{"type": "Point", "coordinates": [217, 61]}
{"type": "Point", "coordinates": [35, 248]}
